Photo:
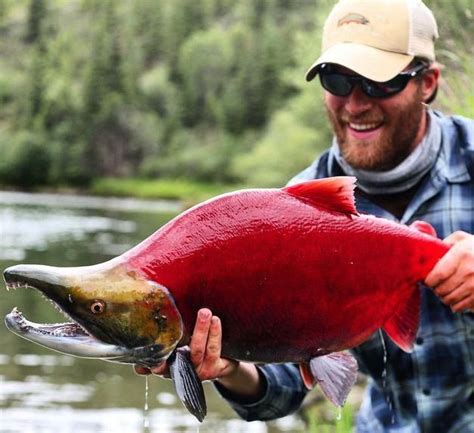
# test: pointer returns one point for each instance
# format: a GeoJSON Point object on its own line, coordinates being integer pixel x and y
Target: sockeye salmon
{"type": "Point", "coordinates": [295, 274]}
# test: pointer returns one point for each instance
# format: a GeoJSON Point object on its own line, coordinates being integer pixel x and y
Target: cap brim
{"type": "Point", "coordinates": [370, 62]}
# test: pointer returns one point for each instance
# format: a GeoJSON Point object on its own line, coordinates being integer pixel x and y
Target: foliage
{"type": "Point", "coordinates": [208, 90]}
{"type": "Point", "coordinates": [284, 150]}
{"type": "Point", "coordinates": [341, 423]}
{"type": "Point", "coordinates": [176, 189]}
{"type": "Point", "coordinates": [455, 53]}
{"type": "Point", "coordinates": [26, 160]}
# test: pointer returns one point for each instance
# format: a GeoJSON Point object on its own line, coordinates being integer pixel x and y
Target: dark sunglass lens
{"type": "Point", "coordinates": [398, 83]}
{"type": "Point", "coordinates": [337, 84]}
{"type": "Point", "coordinates": [387, 88]}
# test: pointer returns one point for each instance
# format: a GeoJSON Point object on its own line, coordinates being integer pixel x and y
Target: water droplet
{"type": "Point", "coordinates": [339, 413]}
{"type": "Point", "coordinates": [146, 414]}
{"type": "Point", "coordinates": [384, 378]}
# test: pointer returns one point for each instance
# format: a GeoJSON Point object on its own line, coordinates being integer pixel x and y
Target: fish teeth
{"type": "Point", "coordinates": [13, 285]}
{"type": "Point", "coordinates": [17, 312]}
{"type": "Point", "coordinates": [19, 319]}
{"type": "Point", "coordinates": [70, 328]}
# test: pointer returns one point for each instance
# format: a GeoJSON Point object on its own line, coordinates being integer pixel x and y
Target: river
{"type": "Point", "coordinates": [44, 391]}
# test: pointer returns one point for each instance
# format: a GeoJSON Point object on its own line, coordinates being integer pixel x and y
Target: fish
{"type": "Point", "coordinates": [296, 274]}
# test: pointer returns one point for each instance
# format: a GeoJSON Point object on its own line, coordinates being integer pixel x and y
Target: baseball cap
{"type": "Point", "coordinates": [377, 38]}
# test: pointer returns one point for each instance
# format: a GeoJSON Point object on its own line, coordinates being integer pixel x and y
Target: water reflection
{"type": "Point", "coordinates": [41, 391]}
{"type": "Point", "coordinates": [35, 391]}
{"type": "Point", "coordinates": [21, 232]}
{"type": "Point", "coordinates": [127, 420]}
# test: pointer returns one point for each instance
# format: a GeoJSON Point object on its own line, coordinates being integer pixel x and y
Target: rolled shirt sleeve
{"type": "Point", "coordinates": [284, 392]}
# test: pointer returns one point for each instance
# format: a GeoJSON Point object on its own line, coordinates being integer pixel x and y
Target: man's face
{"type": "Point", "coordinates": [373, 133]}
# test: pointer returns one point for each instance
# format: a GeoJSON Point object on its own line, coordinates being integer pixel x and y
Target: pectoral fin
{"type": "Point", "coordinates": [335, 373]}
{"type": "Point", "coordinates": [187, 383]}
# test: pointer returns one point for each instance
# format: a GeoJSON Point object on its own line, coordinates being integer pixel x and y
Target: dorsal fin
{"type": "Point", "coordinates": [332, 193]}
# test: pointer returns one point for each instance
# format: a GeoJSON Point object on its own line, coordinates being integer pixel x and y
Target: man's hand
{"type": "Point", "coordinates": [452, 279]}
{"type": "Point", "coordinates": [205, 349]}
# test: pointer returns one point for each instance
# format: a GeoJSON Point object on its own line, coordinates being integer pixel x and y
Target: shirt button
{"type": "Point", "coordinates": [419, 341]}
{"type": "Point", "coordinates": [426, 391]}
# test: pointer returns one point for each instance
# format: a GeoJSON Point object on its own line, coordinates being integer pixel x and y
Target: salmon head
{"type": "Point", "coordinates": [117, 315]}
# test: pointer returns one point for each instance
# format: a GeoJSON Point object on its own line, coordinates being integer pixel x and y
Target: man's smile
{"type": "Point", "coordinates": [364, 131]}
{"type": "Point", "coordinates": [364, 126]}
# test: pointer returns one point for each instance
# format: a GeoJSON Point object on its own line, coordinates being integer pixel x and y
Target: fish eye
{"type": "Point", "coordinates": [98, 307]}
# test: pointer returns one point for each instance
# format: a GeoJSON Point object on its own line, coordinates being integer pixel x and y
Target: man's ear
{"type": "Point", "coordinates": [430, 83]}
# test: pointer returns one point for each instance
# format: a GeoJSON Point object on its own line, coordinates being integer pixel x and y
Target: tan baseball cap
{"type": "Point", "coordinates": [377, 38]}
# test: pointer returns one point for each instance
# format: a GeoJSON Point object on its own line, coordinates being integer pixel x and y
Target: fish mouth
{"type": "Point", "coordinates": [69, 337]}
{"type": "Point", "coordinates": [17, 322]}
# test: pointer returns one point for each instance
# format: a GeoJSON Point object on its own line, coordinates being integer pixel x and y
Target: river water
{"type": "Point", "coordinates": [44, 391]}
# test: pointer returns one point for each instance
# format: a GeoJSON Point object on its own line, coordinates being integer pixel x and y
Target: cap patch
{"type": "Point", "coordinates": [353, 18]}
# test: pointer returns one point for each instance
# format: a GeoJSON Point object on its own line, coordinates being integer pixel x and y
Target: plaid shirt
{"type": "Point", "coordinates": [430, 390]}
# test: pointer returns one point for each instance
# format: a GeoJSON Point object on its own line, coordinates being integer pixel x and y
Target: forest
{"type": "Point", "coordinates": [210, 91]}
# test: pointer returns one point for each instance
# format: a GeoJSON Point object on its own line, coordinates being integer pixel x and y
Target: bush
{"type": "Point", "coordinates": [26, 160]}
{"type": "Point", "coordinates": [202, 155]}
{"type": "Point", "coordinates": [286, 149]}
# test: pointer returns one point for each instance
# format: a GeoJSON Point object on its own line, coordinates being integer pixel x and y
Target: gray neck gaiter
{"type": "Point", "coordinates": [405, 175]}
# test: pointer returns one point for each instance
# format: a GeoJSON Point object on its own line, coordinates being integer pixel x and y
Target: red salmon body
{"type": "Point", "coordinates": [293, 273]}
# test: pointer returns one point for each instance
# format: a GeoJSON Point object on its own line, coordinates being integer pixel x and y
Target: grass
{"type": "Point", "coordinates": [341, 422]}
{"type": "Point", "coordinates": [172, 189]}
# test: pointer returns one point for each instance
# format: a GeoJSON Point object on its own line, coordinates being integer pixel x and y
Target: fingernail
{"type": "Point", "coordinates": [204, 314]}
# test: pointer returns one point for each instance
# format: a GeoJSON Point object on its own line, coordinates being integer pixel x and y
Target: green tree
{"type": "Point", "coordinates": [37, 84]}
{"type": "Point", "coordinates": [37, 12]}
{"type": "Point", "coordinates": [183, 17]}
{"type": "Point", "coordinates": [287, 148]}
{"type": "Point", "coordinates": [26, 159]}
{"type": "Point", "coordinates": [107, 94]}
{"type": "Point", "coordinates": [255, 86]}
{"type": "Point", "coordinates": [205, 63]}
{"type": "Point", "coordinates": [149, 29]}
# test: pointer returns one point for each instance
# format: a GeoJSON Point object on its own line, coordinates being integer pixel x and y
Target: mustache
{"type": "Point", "coordinates": [364, 118]}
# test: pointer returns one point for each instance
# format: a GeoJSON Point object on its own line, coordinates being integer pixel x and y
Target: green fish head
{"type": "Point", "coordinates": [117, 314]}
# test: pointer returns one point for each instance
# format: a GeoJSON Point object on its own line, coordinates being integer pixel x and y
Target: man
{"type": "Point", "coordinates": [378, 71]}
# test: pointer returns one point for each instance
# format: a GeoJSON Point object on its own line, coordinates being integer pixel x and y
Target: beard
{"type": "Point", "coordinates": [391, 146]}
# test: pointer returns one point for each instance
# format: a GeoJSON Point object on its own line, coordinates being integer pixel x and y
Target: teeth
{"type": "Point", "coordinates": [58, 329]}
{"type": "Point", "coordinates": [15, 285]}
{"type": "Point", "coordinates": [17, 313]}
{"type": "Point", "coordinates": [363, 126]}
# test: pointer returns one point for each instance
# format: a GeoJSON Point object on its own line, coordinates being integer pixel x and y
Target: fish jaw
{"type": "Point", "coordinates": [116, 314]}
{"type": "Point", "coordinates": [68, 338]}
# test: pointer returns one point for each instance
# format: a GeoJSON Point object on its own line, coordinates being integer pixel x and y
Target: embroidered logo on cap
{"type": "Point", "coordinates": [353, 18]}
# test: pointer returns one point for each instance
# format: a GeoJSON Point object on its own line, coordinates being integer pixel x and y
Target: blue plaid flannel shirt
{"type": "Point", "coordinates": [430, 390]}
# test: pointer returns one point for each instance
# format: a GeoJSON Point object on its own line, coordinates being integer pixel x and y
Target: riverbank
{"type": "Point", "coordinates": [187, 192]}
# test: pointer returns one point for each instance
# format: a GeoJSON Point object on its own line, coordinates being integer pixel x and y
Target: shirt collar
{"type": "Point", "coordinates": [451, 164]}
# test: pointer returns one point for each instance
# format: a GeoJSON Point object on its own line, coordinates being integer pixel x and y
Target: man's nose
{"type": "Point", "coordinates": [358, 102]}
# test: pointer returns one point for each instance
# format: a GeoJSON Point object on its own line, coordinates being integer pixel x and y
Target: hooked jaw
{"type": "Point", "coordinates": [69, 338]}
{"type": "Point", "coordinates": [79, 337]}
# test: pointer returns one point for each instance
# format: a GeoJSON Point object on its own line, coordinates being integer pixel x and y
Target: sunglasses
{"type": "Point", "coordinates": [340, 84]}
